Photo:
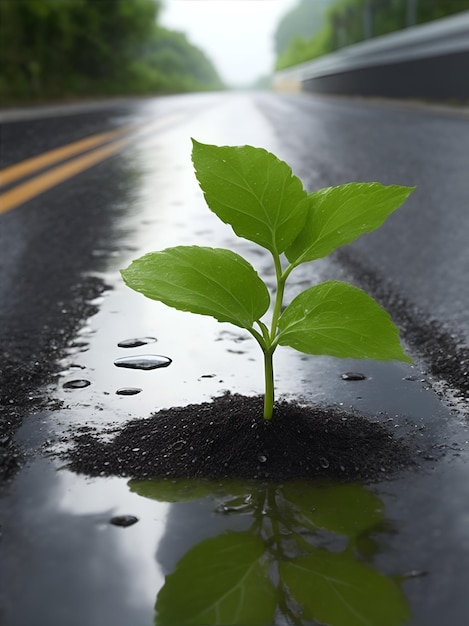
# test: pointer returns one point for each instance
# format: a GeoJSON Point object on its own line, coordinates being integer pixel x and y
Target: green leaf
{"type": "Point", "coordinates": [253, 191]}
{"type": "Point", "coordinates": [222, 580]}
{"type": "Point", "coordinates": [340, 320]}
{"type": "Point", "coordinates": [337, 590]}
{"type": "Point", "coordinates": [348, 510]}
{"type": "Point", "coordinates": [339, 215]}
{"type": "Point", "coordinates": [209, 281]}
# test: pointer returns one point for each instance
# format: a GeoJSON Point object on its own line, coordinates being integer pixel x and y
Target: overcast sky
{"type": "Point", "coordinates": [237, 35]}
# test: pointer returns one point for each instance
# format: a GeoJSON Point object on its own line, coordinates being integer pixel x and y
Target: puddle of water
{"type": "Point", "coordinates": [198, 552]}
{"type": "Point", "coordinates": [295, 552]}
{"type": "Point", "coordinates": [64, 562]}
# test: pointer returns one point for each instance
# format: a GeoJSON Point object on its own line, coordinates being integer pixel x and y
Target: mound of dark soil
{"type": "Point", "coordinates": [229, 438]}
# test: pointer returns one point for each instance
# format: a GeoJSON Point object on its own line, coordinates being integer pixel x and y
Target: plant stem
{"type": "Point", "coordinates": [278, 296]}
{"type": "Point", "coordinates": [269, 395]}
{"type": "Point", "coordinates": [263, 340]}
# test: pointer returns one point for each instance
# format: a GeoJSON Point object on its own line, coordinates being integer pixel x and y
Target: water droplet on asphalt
{"type": "Point", "coordinates": [415, 573]}
{"type": "Point", "coordinates": [128, 391]}
{"type": "Point", "coordinates": [262, 458]}
{"type": "Point", "coordinates": [226, 509]}
{"type": "Point", "coordinates": [78, 383]}
{"type": "Point", "coordinates": [79, 344]}
{"type": "Point", "coordinates": [324, 462]}
{"type": "Point", "coordinates": [124, 520]}
{"type": "Point", "coordinates": [143, 362]}
{"type": "Point", "coordinates": [136, 342]}
{"type": "Point", "coordinates": [353, 376]}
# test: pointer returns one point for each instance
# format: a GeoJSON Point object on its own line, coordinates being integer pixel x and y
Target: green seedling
{"type": "Point", "coordinates": [259, 197]}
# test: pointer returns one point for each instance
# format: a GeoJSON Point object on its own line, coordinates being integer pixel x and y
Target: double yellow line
{"type": "Point", "coordinates": [110, 142]}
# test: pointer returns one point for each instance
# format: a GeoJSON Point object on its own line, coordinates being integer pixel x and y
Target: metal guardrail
{"type": "Point", "coordinates": [426, 61]}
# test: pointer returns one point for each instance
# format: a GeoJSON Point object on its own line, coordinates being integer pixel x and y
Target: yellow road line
{"type": "Point", "coordinates": [12, 198]}
{"type": "Point", "coordinates": [9, 174]}
{"type": "Point", "coordinates": [42, 182]}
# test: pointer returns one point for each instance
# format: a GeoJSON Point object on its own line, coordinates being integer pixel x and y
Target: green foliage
{"type": "Point", "coordinates": [64, 48]}
{"type": "Point", "coordinates": [304, 20]}
{"type": "Point", "coordinates": [302, 49]}
{"type": "Point", "coordinates": [337, 319]}
{"type": "Point", "coordinates": [281, 568]}
{"type": "Point", "coordinates": [346, 22]}
{"type": "Point", "coordinates": [258, 195]}
{"type": "Point", "coordinates": [339, 215]}
{"type": "Point", "coordinates": [177, 64]}
{"type": "Point", "coordinates": [267, 208]}
{"type": "Point", "coordinates": [208, 281]}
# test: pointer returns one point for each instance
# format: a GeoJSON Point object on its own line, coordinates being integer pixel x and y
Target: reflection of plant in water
{"type": "Point", "coordinates": [302, 561]}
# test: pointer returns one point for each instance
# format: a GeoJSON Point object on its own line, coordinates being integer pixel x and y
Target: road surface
{"type": "Point", "coordinates": [69, 220]}
{"type": "Point", "coordinates": [51, 240]}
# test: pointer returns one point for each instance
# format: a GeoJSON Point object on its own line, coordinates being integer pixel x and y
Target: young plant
{"type": "Point", "coordinates": [258, 195]}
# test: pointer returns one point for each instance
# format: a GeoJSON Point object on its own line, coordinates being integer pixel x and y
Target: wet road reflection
{"type": "Point", "coordinates": [305, 552]}
{"type": "Point", "coordinates": [64, 562]}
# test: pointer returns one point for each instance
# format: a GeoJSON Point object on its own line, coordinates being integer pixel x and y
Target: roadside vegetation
{"type": "Point", "coordinates": [313, 29]}
{"type": "Point", "coordinates": [64, 49]}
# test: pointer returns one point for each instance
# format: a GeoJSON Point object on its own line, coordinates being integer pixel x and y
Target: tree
{"type": "Point", "coordinates": [64, 48]}
{"type": "Point", "coordinates": [303, 21]}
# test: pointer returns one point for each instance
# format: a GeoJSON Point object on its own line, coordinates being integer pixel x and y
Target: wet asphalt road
{"type": "Point", "coordinates": [422, 249]}
{"type": "Point", "coordinates": [420, 256]}
{"type": "Point", "coordinates": [46, 245]}
{"type": "Point", "coordinates": [56, 248]}
{"type": "Point", "coordinates": [417, 264]}
{"type": "Point", "coordinates": [51, 246]}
